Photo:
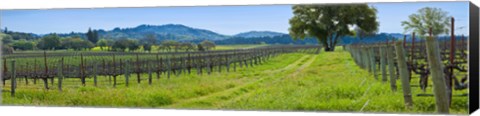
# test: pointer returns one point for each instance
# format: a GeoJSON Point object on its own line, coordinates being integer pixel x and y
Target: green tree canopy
{"type": "Point", "coordinates": [121, 44]}
{"type": "Point", "coordinates": [124, 43]}
{"type": "Point", "coordinates": [187, 46]}
{"type": "Point", "coordinates": [23, 45]}
{"type": "Point", "coordinates": [6, 39]}
{"type": "Point", "coordinates": [51, 41]}
{"type": "Point", "coordinates": [148, 41]}
{"type": "Point", "coordinates": [426, 18]}
{"type": "Point", "coordinates": [77, 43]}
{"type": "Point", "coordinates": [169, 44]}
{"type": "Point", "coordinates": [327, 23]}
{"type": "Point", "coordinates": [92, 35]}
{"type": "Point", "coordinates": [147, 47]}
{"type": "Point", "coordinates": [200, 47]}
{"type": "Point", "coordinates": [208, 44]}
{"type": "Point", "coordinates": [104, 43]}
{"type": "Point", "coordinates": [133, 45]}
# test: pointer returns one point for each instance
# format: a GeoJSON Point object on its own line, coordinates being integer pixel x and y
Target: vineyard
{"type": "Point", "coordinates": [445, 60]}
{"type": "Point", "coordinates": [290, 80]}
{"type": "Point", "coordinates": [48, 67]}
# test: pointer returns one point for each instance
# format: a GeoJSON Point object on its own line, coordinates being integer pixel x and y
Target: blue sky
{"type": "Point", "coordinates": [226, 20]}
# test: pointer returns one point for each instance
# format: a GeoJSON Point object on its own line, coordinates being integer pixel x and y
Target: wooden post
{"type": "Point", "coordinates": [82, 70]}
{"type": "Point", "coordinates": [227, 61]}
{"type": "Point", "coordinates": [234, 59]}
{"type": "Point", "coordinates": [198, 64]}
{"type": "Point", "coordinates": [127, 73]}
{"type": "Point", "coordinates": [365, 60]}
{"type": "Point", "coordinates": [179, 65]}
{"type": "Point", "coordinates": [189, 63]}
{"type": "Point", "coordinates": [45, 79]}
{"type": "Point", "coordinates": [391, 63]}
{"type": "Point", "coordinates": [240, 60]}
{"type": "Point", "coordinates": [149, 68]}
{"type": "Point", "coordinates": [105, 70]}
{"type": "Point", "coordinates": [359, 54]}
{"type": "Point", "coordinates": [219, 63]}
{"type": "Point", "coordinates": [383, 63]}
{"type": "Point", "coordinates": [412, 48]}
{"type": "Point", "coordinates": [250, 58]}
{"type": "Point", "coordinates": [158, 67]}
{"type": "Point", "coordinates": [169, 67]}
{"type": "Point", "coordinates": [34, 70]}
{"type": "Point", "coordinates": [114, 72]}
{"type": "Point", "coordinates": [209, 68]}
{"type": "Point", "coordinates": [402, 66]}
{"type": "Point", "coordinates": [202, 64]}
{"type": "Point", "coordinates": [436, 68]}
{"type": "Point", "coordinates": [184, 65]}
{"type": "Point", "coordinates": [452, 59]}
{"type": "Point", "coordinates": [95, 67]}
{"type": "Point", "coordinates": [254, 58]}
{"type": "Point", "coordinates": [13, 79]}
{"type": "Point", "coordinates": [60, 75]}
{"type": "Point", "coordinates": [373, 63]}
{"type": "Point", "coordinates": [26, 68]}
{"type": "Point", "coordinates": [245, 60]}
{"type": "Point", "coordinates": [138, 69]}
{"type": "Point", "coordinates": [5, 70]}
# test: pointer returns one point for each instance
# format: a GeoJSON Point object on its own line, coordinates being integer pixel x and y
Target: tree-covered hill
{"type": "Point", "coordinates": [162, 32]}
{"type": "Point", "coordinates": [251, 34]}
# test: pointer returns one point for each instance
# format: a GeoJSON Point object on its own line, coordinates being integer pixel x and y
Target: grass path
{"type": "Point", "coordinates": [300, 69]}
{"type": "Point", "coordinates": [241, 89]}
{"type": "Point", "coordinates": [324, 82]}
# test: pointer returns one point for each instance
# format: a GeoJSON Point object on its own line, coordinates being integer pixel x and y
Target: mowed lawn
{"type": "Point", "coordinates": [289, 82]}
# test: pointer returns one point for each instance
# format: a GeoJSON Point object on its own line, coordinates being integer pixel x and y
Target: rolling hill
{"type": "Point", "coordinates": [162, 32]}
{"type": "Point", "coordinates": [251, 34]}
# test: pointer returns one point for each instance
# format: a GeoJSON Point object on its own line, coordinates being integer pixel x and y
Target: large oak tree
{"type": "Point", "coordinates": [328, 23]}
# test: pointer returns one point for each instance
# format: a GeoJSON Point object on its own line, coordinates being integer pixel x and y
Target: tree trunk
{"type": "Point", "coordinates": [328, 49]}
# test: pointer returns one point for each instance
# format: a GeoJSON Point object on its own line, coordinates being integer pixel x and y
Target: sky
{"type": "Point", "coordinates": [228, 20]}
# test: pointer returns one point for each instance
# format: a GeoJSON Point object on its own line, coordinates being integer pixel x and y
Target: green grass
{"type": "Point", "coordinates": [290, 82]}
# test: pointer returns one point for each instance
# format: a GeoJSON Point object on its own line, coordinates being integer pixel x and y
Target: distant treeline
{"type": "Point", "coordinates": [78, 41]}
{"type": "Point", "coordinates": [282, 39]}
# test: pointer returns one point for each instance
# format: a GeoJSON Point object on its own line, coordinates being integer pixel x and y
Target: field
{"type": "Point", "coordinates": [288, 82]}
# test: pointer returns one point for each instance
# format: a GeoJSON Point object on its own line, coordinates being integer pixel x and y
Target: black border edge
{"type": "Point", "coordinates": [473, 58]}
